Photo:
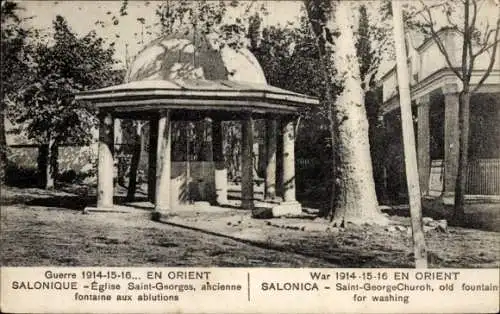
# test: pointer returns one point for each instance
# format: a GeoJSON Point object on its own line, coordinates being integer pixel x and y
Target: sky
{"type": "Point", "coordinates": [82, 16]}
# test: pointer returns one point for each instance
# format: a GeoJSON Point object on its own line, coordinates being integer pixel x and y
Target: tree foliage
{"type": "Point", "coordinates": [46, 104]}
{"type": "Point", "coordinates": [15, 62]}
{"type": "Point", "coordinates": [290, 59]}
{"type": "Point", "coordinates": [15, 50]}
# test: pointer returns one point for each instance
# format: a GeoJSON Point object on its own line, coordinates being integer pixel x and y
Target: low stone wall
{"type": "Point", "coordinates": [199, 186]}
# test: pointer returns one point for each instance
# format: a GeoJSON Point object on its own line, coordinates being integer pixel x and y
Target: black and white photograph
{"type": "Point", "coordinates": [213, 134]}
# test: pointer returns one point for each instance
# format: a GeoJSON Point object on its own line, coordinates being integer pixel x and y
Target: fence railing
{"type": "Point", "coordinates": [483, 177]}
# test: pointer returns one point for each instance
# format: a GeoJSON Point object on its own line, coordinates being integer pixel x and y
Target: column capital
{"type": "Point", "coordinates": [288, 118]}
{"type": "Point", "coordinates": [248, 115]}
{"type": "Point", "coordinates": [105, 117]}
{"type": "Point", "coordinates": [163, 112]}
{"type": "Point", "coordinates": [423, 100]}
{"type": "Point", "coordinates": [450, 89]}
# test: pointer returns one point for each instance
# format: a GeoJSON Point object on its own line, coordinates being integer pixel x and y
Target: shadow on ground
{"type": "Point", "coordinates": [68, 196]}
{"type": "Point", "coordinates": [34, 235]}
{"type": "Point", "coordinates": [483, 216]}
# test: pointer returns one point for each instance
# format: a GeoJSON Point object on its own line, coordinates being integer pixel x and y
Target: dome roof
{"type": "Point", "coordinates": [193, 57]}
{"type": "Point", "coordinates": [190, 74]}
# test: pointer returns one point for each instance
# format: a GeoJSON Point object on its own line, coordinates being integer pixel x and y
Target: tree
{"type": "Point", "coordinates": [371, 46]}
{"type": "Point", "coordinates": [15, 62]}
{"type": "Point", "coordinates": [46, 107]}
{"type": "Point", "coordinates": [480, 37]}
{"type": "Point", "coordinates": [357, 201]}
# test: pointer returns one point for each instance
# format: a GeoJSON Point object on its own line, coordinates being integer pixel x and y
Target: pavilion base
{"type": "Point", "coordinates": [273, 200]}
{"type": "Point", "coordinates": [158, 215]}
{"type": "Point", "coordinates": [284, 209]}
{"type": "Point", "coordinates": [448, 198]}
{"type": "Point", "coordinates": [222, 202]}
{"type": "Point", "coordinates": [201, 205]}
{"type": "Point", "coordinates": [293, 208]}
{"type": "Point", "coordinates": [113, 209]}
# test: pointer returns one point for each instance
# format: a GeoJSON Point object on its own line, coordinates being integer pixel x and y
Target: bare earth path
{"type": "Point", "coordinates": [62, 236]}
{"type": "Point", "coordinates": [42, 236]}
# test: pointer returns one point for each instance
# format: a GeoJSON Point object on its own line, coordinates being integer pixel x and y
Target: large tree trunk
{"type": "Point", "coordinates": [463, 120]}
{"type": "Point", "coordinates": [357, 201]}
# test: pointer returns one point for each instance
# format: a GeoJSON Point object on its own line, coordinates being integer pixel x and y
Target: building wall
{"type": "Point", "coordinates": [427, 59]}
{"type": "Point", "coordinates": [485, 126]}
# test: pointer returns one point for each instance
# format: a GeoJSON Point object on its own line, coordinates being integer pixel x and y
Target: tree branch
{"type": "Point", "coordinates": [494, 43]}
{"type": "Point", "coordinates": [438, 41]}
{"type": "Point", "coordinates": [487, 34]}
{"type": "Point", "coordinates": [368, 77]}
{"type": "Point", "coordinates": [472, 25]}
{"type": "Point", "coordinates": [466, 42]}
{"type": "Point", "coordinates": [474, 15]}
{"type": "Point", "coordinates": [471, 59]}
{"type": "Point", "coordinates": [492, 60]}
{"type": "Point", "coordinates": [486, 48]}
{"type": "Point", "coordinates": [453, 24]}
{"type": "Point", "coordinates": [249, 7]}
{"type": "Point", "coordinates": [430, 7]}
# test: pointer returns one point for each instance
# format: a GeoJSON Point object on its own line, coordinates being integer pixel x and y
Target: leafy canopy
{"type": "Point", "coordinates": [46, 106]}
{"type": "Point", "coordinates": [15, 50]}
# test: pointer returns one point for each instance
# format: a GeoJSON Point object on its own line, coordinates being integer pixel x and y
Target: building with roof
{"type": "Point", "coordinates": [434, 91]}
{"type": "Point", "coordinates": [191, 77]}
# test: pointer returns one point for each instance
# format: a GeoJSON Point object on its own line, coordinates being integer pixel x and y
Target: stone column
{"type": "Point", "coordinates": [279, 161]}
{"type": "Point", "coordinates": [219, 163]}
{"type": "Point", "coordinates": [247, 163]}
{"type": "Point", "coordinates": [271, 145]}
{"type": "Point", "coordinates": [289, 206]}
{"type": "Point", "coordinates": [451, 140]}
{"type": "Point", "coordinates": [153, 147]}
{"type": "Point", "coordinates": [105, 168]}
{"type": "Point", "coordinates": [289, 161]}
{"type": "Point", "coordinates": [117, 129]}
{"type": "Point", "coordinates": [118, 148]}
{"type": "Point", "coordinates": [423, 143]}
{"type": "Point", "coordinates": [163, 163]}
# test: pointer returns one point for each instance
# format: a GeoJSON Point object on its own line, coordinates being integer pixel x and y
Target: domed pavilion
{"type": "Point", "coordinates": [190, 78]}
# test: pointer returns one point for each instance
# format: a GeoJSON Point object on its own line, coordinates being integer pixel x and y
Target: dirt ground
{"type": "Point", "coordinates": [48, 228]}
